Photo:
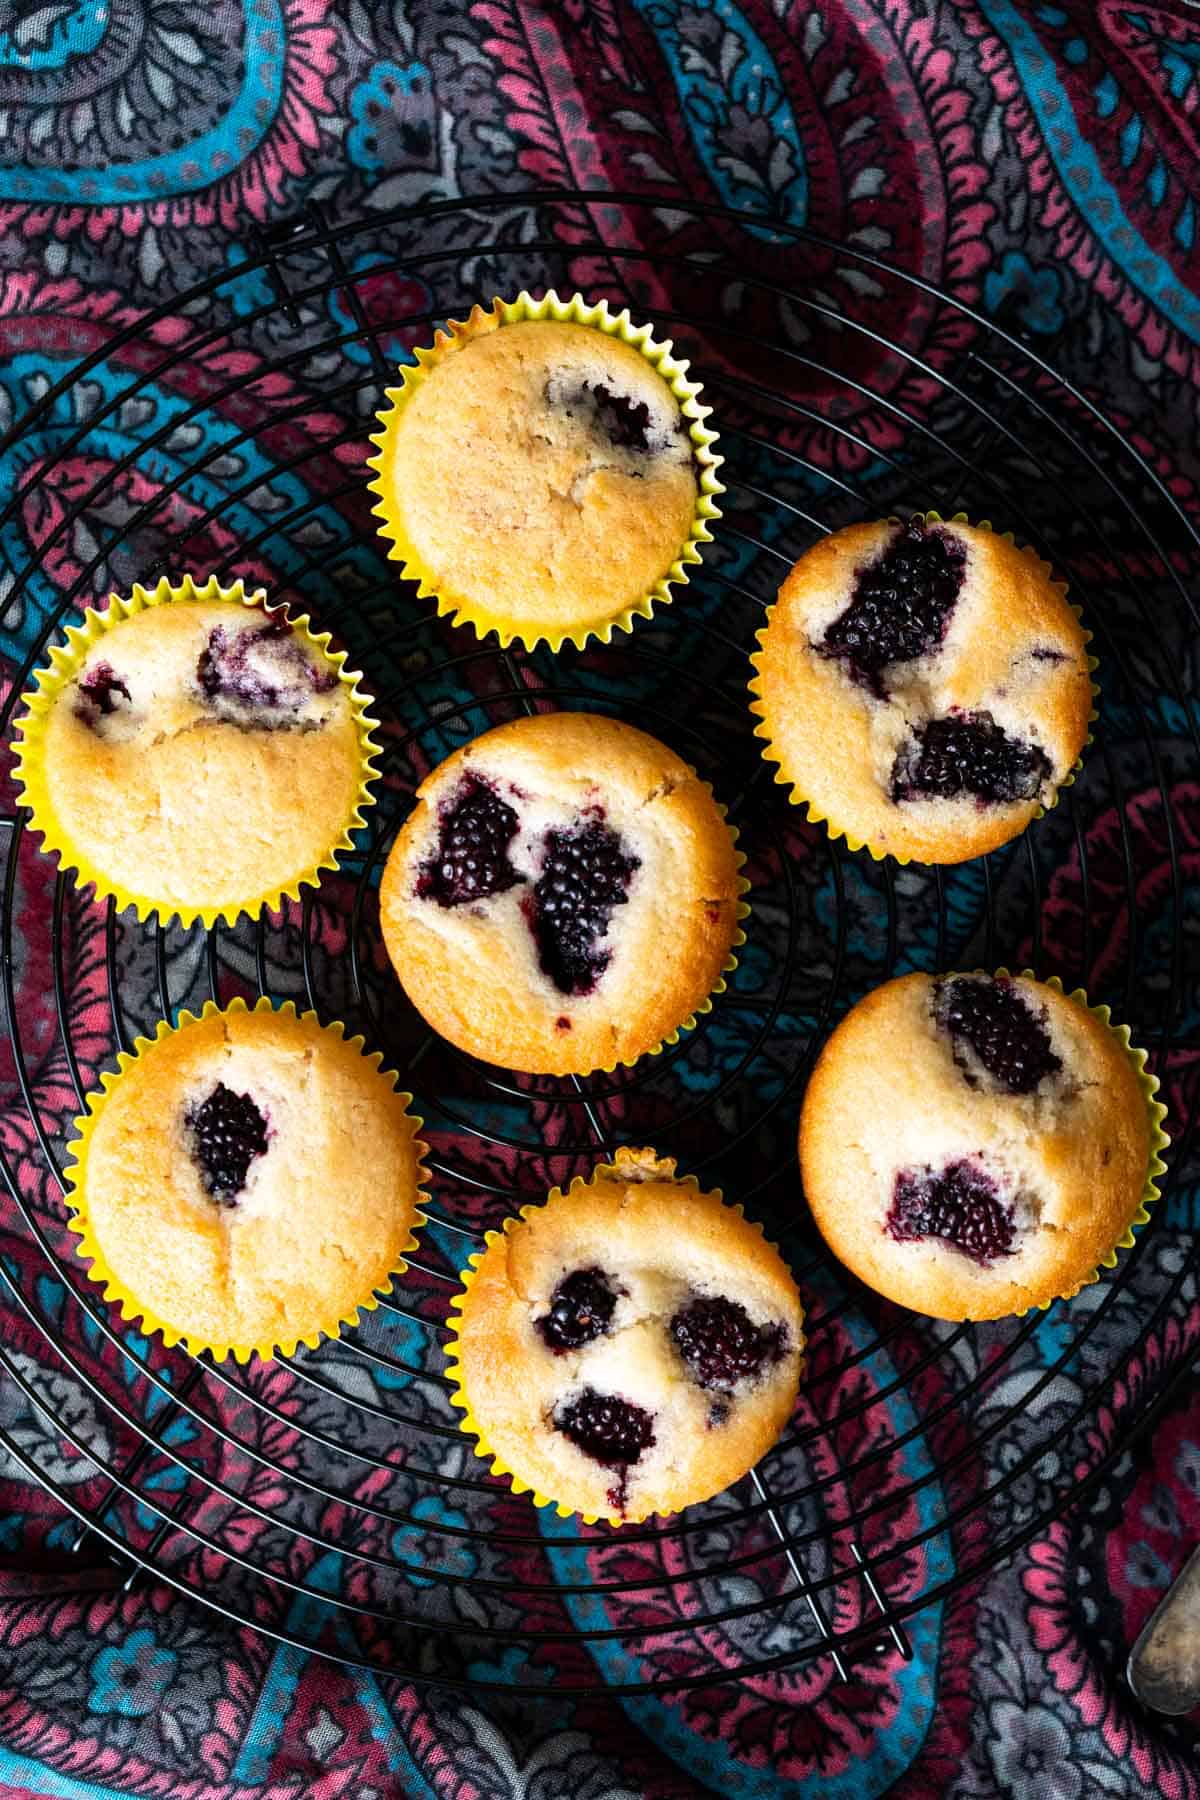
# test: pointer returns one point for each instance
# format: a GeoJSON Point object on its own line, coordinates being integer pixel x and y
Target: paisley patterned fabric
{"type": "Point", "coordinates": [1037, 162]}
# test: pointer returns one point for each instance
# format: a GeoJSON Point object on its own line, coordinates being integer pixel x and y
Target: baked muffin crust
{"type": "Point", "coordinates": [203, 755]}
{"type": "Point", "coordinates": [601, 907]}
{"type": "Point", "coordinates": [693, 1361]}
{"type": "Point", "coordinates": [251, 1178]}
{"type": "Point", "coordinates": [947, 750]}
{"type": "Point", "coordinates": [971, 1147]}
{"type": "Point", "coordinates": [543, 471]}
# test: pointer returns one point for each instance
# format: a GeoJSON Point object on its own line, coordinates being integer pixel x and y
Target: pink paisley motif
{"type": "Point", "coordinates": [804, 1723]}
{"type": "Point", "coordinates": [1109, 897]}
{"type": "Point", "coordinates": [1050, 1590]}
{"type": "Point", "coordinates": [927, 215]}
{"type": "Point", "coordinates": [65, 319]}
{"type": "Point", "coordinates": [1077, 1671]}
{"type": "Point", "coordinates": [1075, 242]}
{"type": "Point", "coordinates": [254, 186]}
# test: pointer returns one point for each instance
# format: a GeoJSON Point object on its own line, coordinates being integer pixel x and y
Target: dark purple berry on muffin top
{"type": "Point", "coordinates": [471, 861]}
{"type": "Point", "coordinates": [968, 754]}
{"type": "Point", "coordinates": [228, 1133]}
{"type": "Point", "coordinates": [994, 1021]}
{"type": "Point", "coordinates": [101, 693]}
{"type": "Point", "coordinates": [959, 1204]}
{"type": "Point", "coordinates": [581, 1309]}
{"type": "Point", "coordinates": [722, 1345]}
{"type": "Point", "coordinates": [586, 872]}
{"type": "Point", "coordinates": [605, 1427]}
{"type": "Point", "coordinates": [260, 671]}
{"type": "Point", "coordinates": [900, 605]}
{"type": "Point", "coordinates": [621, 422]}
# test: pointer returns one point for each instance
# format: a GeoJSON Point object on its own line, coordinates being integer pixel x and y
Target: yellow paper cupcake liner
{"type": "Point", "coordinates": [461, 608]}
{"type": "Point", "coordinates": [66, 661]}
{"type": "Point", "coordinates": [1156, 1113]}
{"type": "Point", "coordinates": [459, 1398]}
{"type": "Point", "coordinates": [815, 815]}
{"type": "Point", "coordinates": [134, 1310]}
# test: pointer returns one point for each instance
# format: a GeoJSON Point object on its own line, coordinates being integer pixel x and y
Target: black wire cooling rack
{"type": "Point", "coordinates": [330, 1499]}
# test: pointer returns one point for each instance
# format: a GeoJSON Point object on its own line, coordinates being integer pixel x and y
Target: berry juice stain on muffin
{"type": "Point", "coordinates": [101, 694]}
{"type": "Point", "coordinates": [523, 901]}
{"type": "Point", "coordinates": [925, 687]}
{"type": "Point", "coordinates": [616, 419]}
{"type": "Point", "coordinates": [672, 1358]}
{"type": "Point", "coordinates": [261, 670]}
{"type": "Point", "coordinates": [972, 1145]}
{"type": "Point", "coordinates": [609, 1430]}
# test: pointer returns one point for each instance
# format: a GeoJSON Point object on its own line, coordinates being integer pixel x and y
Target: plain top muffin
{"type": "Point", "coordinates": [544, 471]}
{"type": "Point", "coordinates": [633, 1346]}
{"type": "Point", "coordinates": [972, 1146]}
{"type": "Point", "coordinates": [251, 1178]}
{"type": "Point", "coordinates": [948, 669]}
{"type": "Point", "coordinates": [564, 895]}
{"type": "Point", "coordinates": [203, 755]}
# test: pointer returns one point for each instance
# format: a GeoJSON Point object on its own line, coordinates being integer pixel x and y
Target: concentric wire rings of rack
{"type": "Point", "coordinates": [330, 1499]}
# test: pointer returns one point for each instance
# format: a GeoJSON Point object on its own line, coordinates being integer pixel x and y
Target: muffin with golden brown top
{"type": "Point", "coordinates": [200, 758]}
{"type": "Point", "coordinates": [925, 687]}
{"type": "Point", "coordinates": [974, 1145]}
{"type": "Point", "coordinates": [564, 896]}
{"type": "Point", "coordinates": [247, 1180]}
{"type": "Point", "coordinates": [539, 476]}
{"type": "Point", "coordinates": [633, 1346]}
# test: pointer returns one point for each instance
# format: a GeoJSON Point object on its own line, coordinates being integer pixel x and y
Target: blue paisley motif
{"type": "Point", "coordinates": [156, 408]}
{"type": "Point", "coordinates": [197, 163]}
{"type": "Point", "coordinates": [1083, 177]}
{"type": "Point", "coordinates": [735, 105]}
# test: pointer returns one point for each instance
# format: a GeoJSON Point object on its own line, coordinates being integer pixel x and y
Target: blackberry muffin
{"type": "Point", "coordinates": [925, 687]}
{"type": "Point", "coordinates": [973, 1145]}
{"type": "Point", "coordinates": [544, 478]}
{"type": "Point", "coordinates": [563, 897]}
{"type": "Point", "coordinates": [200, 758]}
{"type": "Point", "coordinates": [632, 1346]}
{"type": "Point", "coordinates": [247, 1180]}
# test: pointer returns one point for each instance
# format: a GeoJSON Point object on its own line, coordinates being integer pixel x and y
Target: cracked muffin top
{"type": "Point", "coordinates": [972, 1145]}
{"type": "Point", "coordinates": [564, 895]}
{"type": "Point", "coordinates": [251, 1178]}
{"type": "Point", "coordinates": [203, 755]}
{"type": "Point", "coordinates": [924, 686]}
{"type": "Point", "coordinates": [543, 472]}
{"type": "Point", "coordinates": [632, 1346]}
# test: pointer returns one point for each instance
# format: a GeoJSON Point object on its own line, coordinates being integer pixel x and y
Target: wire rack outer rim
{"type": "Point", "coordinates": [329, 238]}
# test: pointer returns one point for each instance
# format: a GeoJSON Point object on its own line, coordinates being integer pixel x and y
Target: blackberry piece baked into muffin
{"type": "Point", "coordinates": [540, 476]}
{"type": "Point", "coordinates": [203, 756]}
{"type": "Point", "coordinates": [563, 897]}
{"type": "Point", "coordinates": [924, 686]}
{"type": "Point", "coordinates": [249, 1179]}
{"type": "Point", "coordinates": [973, 1145]}
{"type": "Point", "coordinates": [630, 1347]}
